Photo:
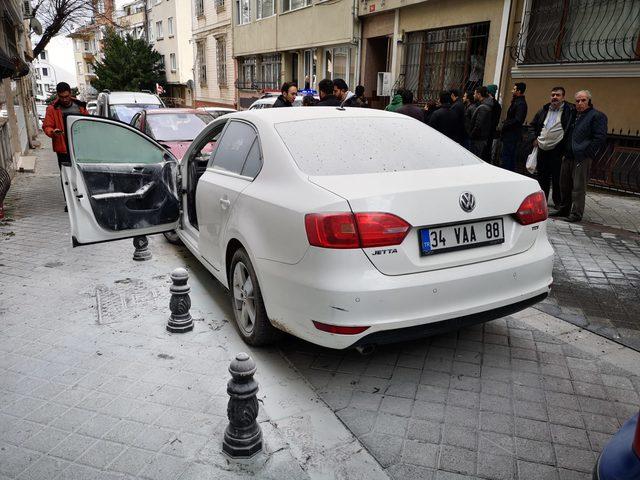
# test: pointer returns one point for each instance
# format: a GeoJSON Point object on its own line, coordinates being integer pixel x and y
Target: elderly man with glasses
{"type": "Point", "coordinates": [586, 137]}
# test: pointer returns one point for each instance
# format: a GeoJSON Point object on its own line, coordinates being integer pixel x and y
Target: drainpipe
{"type": "Point", "coordinates": [357, 26]}
{"type": "Point", "coordinates": [502, 45]}
{"type": "Point", "coordinates": [394, 46]}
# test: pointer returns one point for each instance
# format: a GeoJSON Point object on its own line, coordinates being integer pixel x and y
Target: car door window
{"type": "Point", "coordinates": [99, 142]}
{"type": "Point", "coordinates": [137, 120]}
{"type": "Point", "coordinates": [253, 163]}
{"type": "Point", "coordinates": [233, 147]}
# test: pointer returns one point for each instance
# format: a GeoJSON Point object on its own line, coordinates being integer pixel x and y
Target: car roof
{"type": "Point", "coordinates": [217, 109]}
{"type": "Point", "coordinates": [280, 115]}
{"type": "Point", "coordinates": [169, 111]}
{"type": "Point", "coordinates": [132, 97]}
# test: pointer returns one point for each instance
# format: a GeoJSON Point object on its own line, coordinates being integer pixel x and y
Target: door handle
{"type": "Point", "coordinates": [137, 169]}
{"type": "Point", "coordinates": [225, 203]}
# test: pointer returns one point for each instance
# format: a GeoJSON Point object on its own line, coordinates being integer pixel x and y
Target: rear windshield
{"type": "Point", "coordinates": [125, 113]}
{"type": "Point", "coordinates": [174, 127]}
{"type": "Point", "coordinates": [357, 145]}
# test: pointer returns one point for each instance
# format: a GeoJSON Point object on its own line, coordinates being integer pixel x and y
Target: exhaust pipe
{"type": "Point", "coordinates": [365, 350]}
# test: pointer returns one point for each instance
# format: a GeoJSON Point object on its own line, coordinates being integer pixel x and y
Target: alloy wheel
{"type": "Point", "coordinates": [243, 299]}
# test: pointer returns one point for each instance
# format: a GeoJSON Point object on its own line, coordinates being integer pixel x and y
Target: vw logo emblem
{"type": "Point", "coordinates": [467, 201]}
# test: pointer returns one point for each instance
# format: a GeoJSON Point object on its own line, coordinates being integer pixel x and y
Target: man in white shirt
{"type": "Point", "coordinates": [550, 125]}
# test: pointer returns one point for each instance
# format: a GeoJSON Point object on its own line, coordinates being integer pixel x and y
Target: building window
{"type": "Point", "coordinates": [310, 69]}
{"type": "Point", "coordinates": [270, 71]}
{"type": "Point", "coordinates": [150, 28]}
{"type": "Point", "coordinates": [288, 5]}
{"type": "Point", "coordinates": [172, 61]}
{"type": "Point", "coordinates": [579, 31]}
{"type": "Point", "coordinates": [100, 6]}
{"type": "Point", "coordinates": [243, 9]}
{"type": "Point", "coordinates": [201, 59]}
{"type": "Point", "coordinates": [170, 26]}
{"type": "Point", "coordinates": [247, 78]}
{"type": "Point", "coordinates": [199, 8]}
{"type": "Point", "coordinates": [45, 72]}
{"type": "Point", "coordinates": [43, 55]}
{"type": "Point", "coordinates": [163, 61]}
{"type": "Point", "coordinates": [443, 59]}
{"type": "Point", "coordinates": [221, 60]}
{"type": "Point", "coordinates": [159, 34]}
{"type": "Point", "coordinates": [264, 8]}
{"type": "Point", "coordinates": [79, 67]}
{"type": "Point", "coordinates": [87, 46]}
{"type": "Point", "coordinates": [90, 69]}
{"type": "Point", "coordinates": [219, 4]}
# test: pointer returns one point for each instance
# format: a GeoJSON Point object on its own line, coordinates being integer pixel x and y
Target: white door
{"type": "Point", "coordinates": [120, 183]}
{"type": "Point", "coordinates": [236, 162]}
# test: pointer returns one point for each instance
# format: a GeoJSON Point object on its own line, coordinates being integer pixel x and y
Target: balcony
{"type": "Point", "coordinates": [88, 55]}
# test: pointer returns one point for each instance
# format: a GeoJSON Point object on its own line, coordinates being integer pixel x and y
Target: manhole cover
{"type": "Point", "coordinates": [124, 302]}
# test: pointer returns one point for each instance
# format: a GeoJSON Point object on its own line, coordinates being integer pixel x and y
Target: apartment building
{"type": "Point", "coordinates": [87, 46]}
{"type": "Point", "coordinates": [131, 20]}
{"type": "Point", "coordinates": [169, 28]}
{"type": "Point", "coordinates": [52, 66]}
{"type": "Point", "coordinates": [302, 41]}
{"type": "Point", "coordinates": [429, 46]}
{"type": "Point", "coordinates": [18, 127]}
{"type": "Point", "coordinates": [214, 72]}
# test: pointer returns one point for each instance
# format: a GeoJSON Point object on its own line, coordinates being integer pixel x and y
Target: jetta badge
{"type": "Point", "coordinates": [467, 201]}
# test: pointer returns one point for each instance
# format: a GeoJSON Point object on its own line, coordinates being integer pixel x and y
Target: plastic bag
{"type": "Point", "coordinates": [532, 161]}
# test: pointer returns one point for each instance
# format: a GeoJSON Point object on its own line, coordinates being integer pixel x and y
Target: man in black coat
{"type": "Point", "coordinates": [288, 96]}
{"type": "Point", "coordinates": [480, 131]}
{"type": "Point", "coordinates": [457, 107]}
{"type": "Point", "coordinates": [445, 119]}
{"type": "Point", "coordinates": [327, 98]}
{"type": "Point", "coordinates": [512, 126]}
{"type": "Point", "coordinates": [585, 139]}
{"type": "Point", "coordinates": [409, 108]}
{"type": "Point", "coordinates": [550, 126]}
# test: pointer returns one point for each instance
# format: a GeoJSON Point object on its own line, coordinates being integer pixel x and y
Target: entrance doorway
{"type": "Point", "coordinates": [376, 60]}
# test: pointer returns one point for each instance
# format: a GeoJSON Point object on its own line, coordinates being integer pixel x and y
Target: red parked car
{"type": "Point", "coordinates": [174, 128]}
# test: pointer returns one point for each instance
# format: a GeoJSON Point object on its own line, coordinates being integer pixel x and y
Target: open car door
{"type": "Point", "coordinates": [120, 183]}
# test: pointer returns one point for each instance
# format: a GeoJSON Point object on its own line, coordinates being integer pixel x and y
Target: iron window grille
{"type": "Point", "coordinates": [221, 60]}
{"type": "Point", "coordinates": [219, 4]}
{"type": "Point", "coordinates": [202, 63]}
{"type": "Point", "coordinates": [270, 71]}
{"type": "Point", "coordinates": [442, 59]}
{"type": "Point", "coordinates": [579, 31]}
{"type": "Point", "coordinates": [247, 78]}
{"type": "Point", "coordinates": [199, 8]}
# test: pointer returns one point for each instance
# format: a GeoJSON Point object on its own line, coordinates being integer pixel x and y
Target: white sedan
{"type": "Point", "coordinates": [344, 227]}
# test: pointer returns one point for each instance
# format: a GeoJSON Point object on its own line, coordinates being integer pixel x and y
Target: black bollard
{"type": "Point", "coordinates": [243, 437]}
{"type": "Point", "coordinates": [141, 253]}
{"type": "Point", "coordinates": [180, 320]}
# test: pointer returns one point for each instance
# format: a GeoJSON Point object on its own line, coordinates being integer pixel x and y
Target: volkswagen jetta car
{"type": "Point", "coordinates": [342, 243]}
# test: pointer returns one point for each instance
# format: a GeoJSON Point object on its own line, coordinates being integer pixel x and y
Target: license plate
{"type": "Point", "coordinates": [457, 237]}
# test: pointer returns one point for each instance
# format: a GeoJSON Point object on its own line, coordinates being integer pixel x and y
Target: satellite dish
{"type": "Point", "coordinates": [36, 26]}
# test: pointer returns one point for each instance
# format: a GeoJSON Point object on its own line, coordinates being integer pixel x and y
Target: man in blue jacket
{"type": "Point", "coordinates": [586, 137]}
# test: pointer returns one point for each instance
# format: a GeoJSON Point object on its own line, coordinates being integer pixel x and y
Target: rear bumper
{"type": "Point", "coordinates": [341, 287]}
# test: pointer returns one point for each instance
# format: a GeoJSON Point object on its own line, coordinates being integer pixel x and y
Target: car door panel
{"type": "Point", "coordinates": [120, 183]}
{"type": "Point", "coordinates": [219, 188]}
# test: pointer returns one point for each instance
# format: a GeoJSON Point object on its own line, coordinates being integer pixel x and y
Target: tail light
{"type": "Point", "coordinates": [362, 230]}
{"type": "Point", "coordinates": [636, 438]}
{"type": "Point", "coordinates": [325, 327]}
{"type": "Point", "coordinates": [533, 209]}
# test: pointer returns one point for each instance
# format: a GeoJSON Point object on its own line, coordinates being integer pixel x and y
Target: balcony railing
{"type": "Point", "coordinates": [257, 85]}
{"type": "Point", "coordinates": [579, 31]}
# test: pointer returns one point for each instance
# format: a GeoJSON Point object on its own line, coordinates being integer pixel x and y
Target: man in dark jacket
{"type": "Point", "coordinates": [585, 138]}
{"type": "Point", "coordinates": [481, 121]}
{"type": "Point", "coordinates": [470, 105]}
{"type": "Point", "coordinates": [327, 98]}
{"type": "Point", "coordinates": [409, 108]}
{"type": "Point", "coordinates": [550, 126]}
{"type": "Point", "coordinates": [287, 97]}
{"type": "Point", "coordinates": [445, 119]}
{"type": "Point", "coordinates": [496, 111]}
{"type": "Point", "coordinates": [512, 126]}
{"type": "Point", "coordinates": [457, 107]}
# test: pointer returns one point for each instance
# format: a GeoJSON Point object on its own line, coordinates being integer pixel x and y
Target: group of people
{"type": "Point", "coordinates": [332, 93]}
{"type": "Point", "coordinates": [567, 137]}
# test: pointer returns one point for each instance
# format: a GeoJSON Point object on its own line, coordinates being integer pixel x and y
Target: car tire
{"type": "Point", "coordinates": [172, 237]}
{"type": "Point", "coordinates": [250, 316]}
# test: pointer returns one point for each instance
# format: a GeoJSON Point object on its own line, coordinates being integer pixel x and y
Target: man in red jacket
{"type": "Point", "coordinates": [53, 124]}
